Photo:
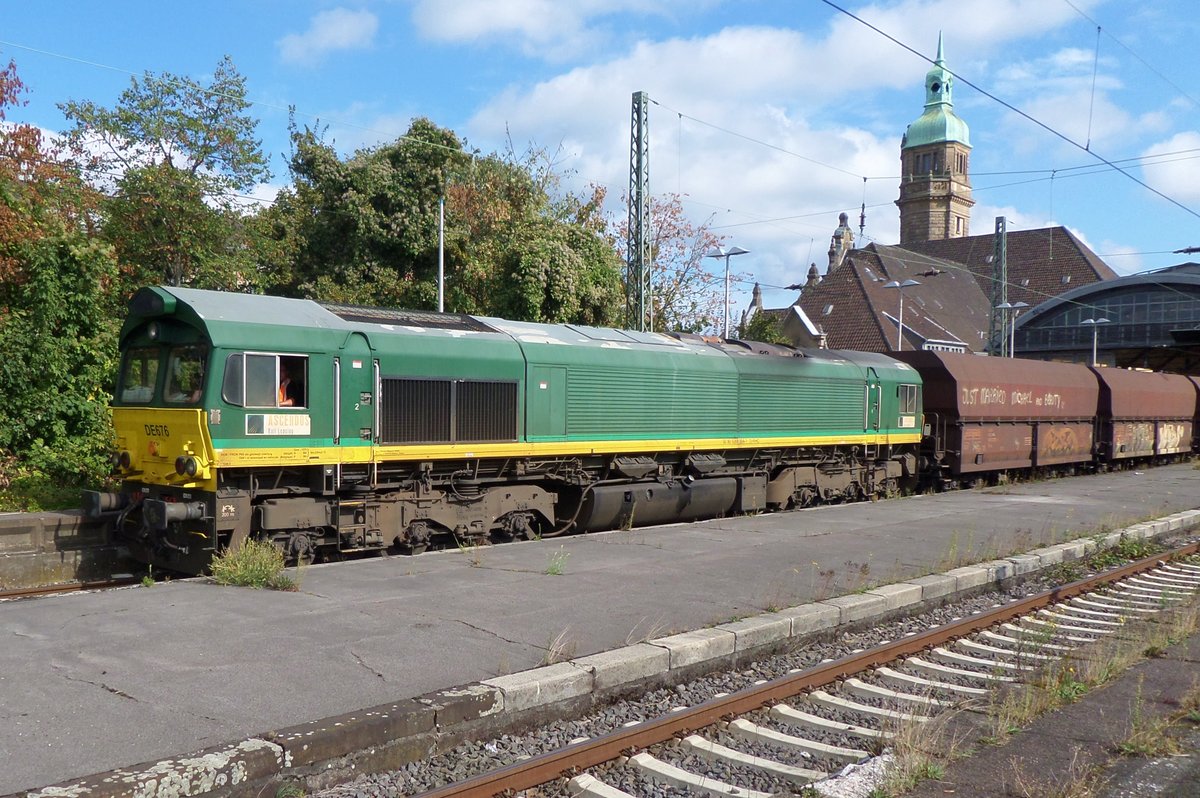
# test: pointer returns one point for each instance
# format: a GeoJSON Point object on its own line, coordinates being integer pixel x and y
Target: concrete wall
{"type": "Point", "coordinates": [49, 548]}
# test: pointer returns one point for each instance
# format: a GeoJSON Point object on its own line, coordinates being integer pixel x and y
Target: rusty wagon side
{"type": "Point", "coordinates": [1145, 414]}
{"type": "Point", "coordinates": [989, 414]}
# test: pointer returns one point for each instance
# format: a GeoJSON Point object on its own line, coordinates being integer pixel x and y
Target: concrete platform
{"type": "Point", "coordinates": [92, 682]}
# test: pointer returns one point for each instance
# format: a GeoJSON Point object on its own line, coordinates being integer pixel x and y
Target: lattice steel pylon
{"type": "Point", "coordinates": [997, 340]}
{"type": "Point", "coordinates": [639, 302]}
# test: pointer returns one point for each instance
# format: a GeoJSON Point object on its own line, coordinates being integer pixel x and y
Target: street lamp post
{"type": "Point", "coordinates": [1012, 335]}
{"type": "Point", "coordinates": [1016, 308]}
{"type": "Point", "coordinates": [721, 252]}
{"type": "Point", "coordinates": [1095, 325]}
{"type": "Point", "coordinates": [900, 286]}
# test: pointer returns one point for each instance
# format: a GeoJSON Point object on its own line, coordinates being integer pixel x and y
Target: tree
{"type": "Point", "coordinates": [365, 229]}
{"type": "Point", "coordinates": [765, 327]}
{"type": "Point", "coordinates": [176, 154]}
{"type": "Point", "coordinates": [687, 297]}
{"type": "Point", "coordinates": [58, 321]}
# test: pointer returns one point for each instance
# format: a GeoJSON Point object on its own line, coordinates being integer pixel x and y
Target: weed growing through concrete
{"type": "Point", "coordinates": [826, 588]}
{"type": "Point", "coordinates": [1080, 780]}
{"type": "Point", "coordinates": [290, 791]}
{"type": "Point", "coordinates": [255, 563]}
{"type": "Point", "coordinates": [858, 576]}
{"type": "Point", "coordinates": [950, 558]}
{"type": "Point", "coordinates": [1124, 550]}
{"type": "Point", "coordinates": [473, 552]}
{"type": "Point", "coordinates": [651, 630]}
{"type": "Point", "coordinates": [1066, 572]}
{"type": "Point", "coordinates": [1148, 735]}
{"type": "Point", "coordinates": [560, 648]}
{"type": "Point", "coordinates": [556, 561]}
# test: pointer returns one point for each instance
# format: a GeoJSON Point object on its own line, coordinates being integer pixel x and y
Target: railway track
{"type": "Point", "coordinates": [782, 734]}
{"type": "Point", "coordinates": [65, 587]}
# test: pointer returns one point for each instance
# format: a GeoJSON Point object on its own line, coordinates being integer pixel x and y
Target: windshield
{"type": "Point", "coordinates": [185, 374]}
{"type": "Point", "coordinates": [139, 376]}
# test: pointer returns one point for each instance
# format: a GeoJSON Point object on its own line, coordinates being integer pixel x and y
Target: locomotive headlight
{"type": "Point", "coordinates": [186, 466]}
{"type": "Point", "coordinates": [125, 460]}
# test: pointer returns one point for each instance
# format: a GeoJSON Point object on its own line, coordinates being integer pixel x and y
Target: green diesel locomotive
{"type": "Point", "coordinates": [331, 429]}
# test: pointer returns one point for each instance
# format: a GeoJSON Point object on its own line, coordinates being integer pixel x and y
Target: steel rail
{"type": "Point", "coordinates": [66, 587]}
{"type": "Point", "coordinates": [589, 753]}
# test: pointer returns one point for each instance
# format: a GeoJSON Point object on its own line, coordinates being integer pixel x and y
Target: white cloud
{"type": "Point", "coordinates": [1123, 258]}
{"type": "Point", "coordinates": [550, 29]}
{"type": "Point", "coordinates": [1176, 172]}
{"type": "Point", "coordinates": [770, 85]}
{"type": "Point", "coordinates": [329, 31]}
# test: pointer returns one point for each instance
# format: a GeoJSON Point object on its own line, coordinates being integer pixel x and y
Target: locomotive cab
{"type": "Point", "coordinates": [164, 453]}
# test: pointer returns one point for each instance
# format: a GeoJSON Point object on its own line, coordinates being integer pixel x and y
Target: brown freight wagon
{"type": "Point", "coordinates": [990, 414]}
{"type": "Point", "coordinates": [1145, 414]}
{"type": "Point", "coordinates": [1196, 423]}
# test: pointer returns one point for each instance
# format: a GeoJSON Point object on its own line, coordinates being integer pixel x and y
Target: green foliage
{"type": "Point", "coordinates": [1125, 550]}
{"type": "Point", "coordinates": [1068, 687]}
{"type": "Point", "coordinates": [58, 329]}
{"type": "Point", "coordinates": [23, 490]}
{"type": "Point", "coordinates": [182, 151]}
{"type": "Point", "coordinates": [255, 563]}
{"type": "Point", "coordinates": [765, 328]}
{"type": "Point", "coordinates": [364, 230]}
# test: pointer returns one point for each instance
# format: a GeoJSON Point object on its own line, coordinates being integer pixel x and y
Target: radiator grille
{"type": "Point", "coordinates": [415, 411]}
{"type": "Point", "coordinates": [447, 411]}
{"type": "Point", "coordinates": [485, 411]}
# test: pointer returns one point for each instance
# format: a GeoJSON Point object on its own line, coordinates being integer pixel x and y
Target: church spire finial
{"type": "Point", "coordinates": [941, 55]}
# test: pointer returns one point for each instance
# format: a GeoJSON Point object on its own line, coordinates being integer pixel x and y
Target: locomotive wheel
{"type": "Point", "coordinates": [416, 538]}
{"type": "Point", "coordinates": [517, 526]}
{"type": "Point", "coordinates": [299, 549]}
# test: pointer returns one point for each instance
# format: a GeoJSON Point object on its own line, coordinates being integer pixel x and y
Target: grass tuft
{"type": "Point", "coordinates": [556, 561]}
{"type": "Point", "coordinates": [256, 563]}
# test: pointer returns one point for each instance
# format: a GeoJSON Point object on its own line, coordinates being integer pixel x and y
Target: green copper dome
{"type": "Point", "coordinates": [939, 123]}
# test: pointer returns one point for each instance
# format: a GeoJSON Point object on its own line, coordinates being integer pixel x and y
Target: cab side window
{"type": "Point", "coordinates": [263, 380]}
{"type": "Point", "coordinates": [908, 399]}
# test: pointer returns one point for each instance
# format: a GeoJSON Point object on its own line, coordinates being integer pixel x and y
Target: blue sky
{"type": "Point", "coordinates": [766, 117]}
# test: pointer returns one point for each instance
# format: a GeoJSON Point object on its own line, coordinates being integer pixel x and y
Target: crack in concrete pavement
{"type": "Point", "coordinates": [101, 685]}
{"type": "Point", "coordinates": [363, 663]}
{"type": "Point", "coordinates": [494, 634]}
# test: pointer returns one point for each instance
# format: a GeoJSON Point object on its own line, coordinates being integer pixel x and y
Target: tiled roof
{"type": "Point", "coordinates": [839, 307]}
{"type": "Point", "coordinates": [953, 301]}
{"type": "Point", "coordinates": [947, 305]}
{"type": "Point", "coordinates": [1041, 263]}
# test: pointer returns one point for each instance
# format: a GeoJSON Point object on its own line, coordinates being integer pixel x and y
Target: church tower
{"type": "Point", "coordinates": [935, 186]}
